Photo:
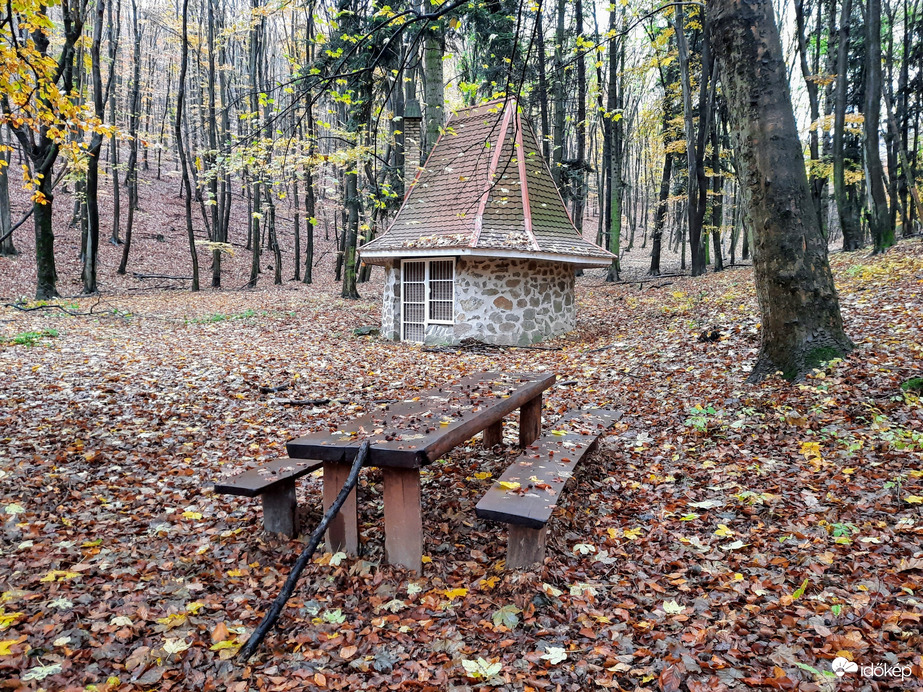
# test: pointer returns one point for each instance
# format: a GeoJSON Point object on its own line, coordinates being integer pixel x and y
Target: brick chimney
{"type": "Point", "coordinates": [413, 134]}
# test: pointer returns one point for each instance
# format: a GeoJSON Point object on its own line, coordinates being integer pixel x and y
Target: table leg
{"type": "Point", "coordinates": [530, 421]}
{"type": "Point", "coordinates": [403, 518]}
{"type": "Point", "coordinates": [493, 435]}
{"type": "Point", "coordinates": [525, 547]}
{"type": "Point", "coordinates": [343, 531]}
{"type": "Point", "coordinates": [279, 507]}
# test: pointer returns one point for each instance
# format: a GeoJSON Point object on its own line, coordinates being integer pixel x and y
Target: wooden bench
{"type": "Point", "coordinates": [526, 494]}
{"type": "Point", "coordinates": [274, 482]}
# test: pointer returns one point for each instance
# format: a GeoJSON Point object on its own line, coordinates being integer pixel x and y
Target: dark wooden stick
{"type": "Point", "coordinates": [275, 610]}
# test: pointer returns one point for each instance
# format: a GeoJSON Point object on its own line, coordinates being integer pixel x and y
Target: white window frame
{"type": "Point", "coordinates": [427, 295]}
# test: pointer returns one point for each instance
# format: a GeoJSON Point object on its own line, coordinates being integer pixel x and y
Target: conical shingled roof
{"type": "Point", "coordinates": [485, 190]}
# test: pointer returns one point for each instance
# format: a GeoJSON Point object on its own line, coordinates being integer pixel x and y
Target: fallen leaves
{"type": "Point", "coordinates": [676, 553]}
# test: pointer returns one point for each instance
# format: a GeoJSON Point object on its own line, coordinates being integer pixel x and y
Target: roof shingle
{"type": "Point", "coordinates": [485, 186]}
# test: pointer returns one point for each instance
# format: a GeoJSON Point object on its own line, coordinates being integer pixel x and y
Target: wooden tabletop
{"type": "Point", "coordinates": [419, 430]}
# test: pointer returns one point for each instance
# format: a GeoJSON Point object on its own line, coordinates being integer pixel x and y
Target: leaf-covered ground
{"type": "Point", "coordinates": [727, 535]}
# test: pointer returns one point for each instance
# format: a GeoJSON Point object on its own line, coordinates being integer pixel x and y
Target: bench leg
{"type": "Point", "coordinates": [493, 435]}
{"type": "Point", "coordinates": [530, 421]}
{"type": "Point", "coordinates": [279, 506]}
{"type": "Point", "coordinates": [343, 531]}
{"type": "Point", "coordinates": [525, 547]}
{"type": "Point", "coordinates": [403, 518]}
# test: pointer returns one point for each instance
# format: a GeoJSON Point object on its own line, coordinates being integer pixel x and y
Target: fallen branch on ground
{"type": "Point", "coordinates": [275, 610]}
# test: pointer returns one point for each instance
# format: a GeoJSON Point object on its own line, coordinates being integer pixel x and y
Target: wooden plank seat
{"type": "Point", "coordinates": [274, 482]}
{"type": "Point", "coordinates": [528, 491]}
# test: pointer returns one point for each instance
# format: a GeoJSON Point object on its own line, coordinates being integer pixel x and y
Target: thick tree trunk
{"type": "Point", "coordinates": [801, 321]}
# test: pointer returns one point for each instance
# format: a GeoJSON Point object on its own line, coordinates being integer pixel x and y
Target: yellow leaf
{"type": "Point", "coordinates": [426, 559]}
{"type": "Point", "coordinates": [811, 450]}
{"type": "Point", "coordinates": [482, 475]}
{"type": "Point", "coordinates": [227, 644]}
{"type": "Point", "coordinates": [452, 594]}
{"type": "Point", "coordinates": [59, 575]}
{"type": "Point", "coordinates": [724, 531]}
{"type": "Point", "coordinates": [489, 582]}
{"type": "Point", "coordinates": [509, 485]}
{"type": "Point", "coordinates": [914, 499]}
{"type": "Point", "coordinates": [7, 619]}
{"type": "Point", "coordinates": [194, 607]}
{"type": "Point", "coordinates": [192, 515]}
{"type": "Point", "coordinates": [632, 534]}
{"type": "Point", "coordinates": [7, 644]}
{"type": "Point", "coordinates": [559, 432]}
{"type": "Point", "coordinates": [235, 573]}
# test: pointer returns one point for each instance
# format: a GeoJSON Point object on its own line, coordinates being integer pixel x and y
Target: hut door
{"type": "Point", "coordinates": [413, 300]}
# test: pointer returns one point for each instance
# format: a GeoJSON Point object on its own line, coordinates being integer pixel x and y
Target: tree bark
{"type": "Point", "coordinates": [849, 222]}
{"type": "Point", "coordinates": [801, 322]}
{"type": "Point", "coordinates": [881, 229]}
{"type": "Point", "coordinates": [133, 119]}
{"type": "Point", "coordinates": [178, 135]}
{"type": "Point", "coordinates": [91, 252]}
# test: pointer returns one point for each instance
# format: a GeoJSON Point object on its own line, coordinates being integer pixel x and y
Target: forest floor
{"type": "Point", "coordinates": [726, 536]}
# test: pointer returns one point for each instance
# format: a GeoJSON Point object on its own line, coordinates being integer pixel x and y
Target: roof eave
{"type": "Point", "coordinates": [578, 261]}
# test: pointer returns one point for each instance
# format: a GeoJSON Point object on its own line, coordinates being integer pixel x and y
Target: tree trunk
{"type": "Point", "coordinates": [7, 249]}
{"type": "Point", "coordinates": [133, 118]}
{"type": "Point", "coordinates": [816, 178]}
{"type": "Point", "coordinates": [542, 94]}
{"type": "Point", "coordinates": [433, 50]}
{"type": "Point", "coordinates": [178, 135]}
{"type": "Point", "coordinates": [801, 322]}
{"type": "Point", "coordinates": [579, 179]}
{"type": "Point", "coordinates": [557, 151]}
{"type": "Point", "coordinates": [879, 220]}
{"type": "Point", "coordinates": [849, 221]}
{"type": "Point", "coordinates": [91, 252]}
{"type": "Point", "coordinates": [616, 147]}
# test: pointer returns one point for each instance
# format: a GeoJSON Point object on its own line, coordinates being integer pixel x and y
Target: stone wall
{"type": "Point", "coordinates": [391, 302]}
{"type": "Point", "coordinates": [513, 302]}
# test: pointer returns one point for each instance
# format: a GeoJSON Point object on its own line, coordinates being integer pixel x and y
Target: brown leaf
{"type": "Point", "coordinates": [220, 633]}
{"type": "Point", "coordinates": [670, 679]}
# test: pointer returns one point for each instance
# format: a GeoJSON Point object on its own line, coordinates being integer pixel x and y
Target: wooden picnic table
{"type": "Point", "coordinates": [407, 435]}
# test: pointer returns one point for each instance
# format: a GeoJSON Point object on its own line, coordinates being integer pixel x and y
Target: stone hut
{"type": "Point", "coordinates": [483, 245]}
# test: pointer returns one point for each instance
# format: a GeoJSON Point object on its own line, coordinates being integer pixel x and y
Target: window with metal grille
{"type": "Point", "coordinates": [427, 296]}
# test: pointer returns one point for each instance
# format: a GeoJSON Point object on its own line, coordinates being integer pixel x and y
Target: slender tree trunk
{"type": "Point", "coordinates": [181, 151]}
{"type": "Point", "coordinates": [542, 94]}
{"type": "Point", "coordinates": [617, 146]}
{"type": "Point", "coordinates": [91, 253]}
{"type": "Point", "coordinates": [849, 223]}
{"type": "Point", "coordinates": [810, 79]}
{"type": "Point", "coordinates": [801, 322]}
{"type": "Point", "coordinates": [433, 50]}
{"type": "Point", "coordinates": [7, 249]}
{"type": "Point", "coordinates": [557, 152]}
{"type": "Point", "coordinates": [879, 220]}
{"type": "Point", "coordinates": [133, 120]}
{"type": "Point", "coordinates": [579, 180]}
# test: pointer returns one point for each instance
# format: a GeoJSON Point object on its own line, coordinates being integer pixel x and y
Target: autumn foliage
{"type": "Point", "coordinates": [726, 536]}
